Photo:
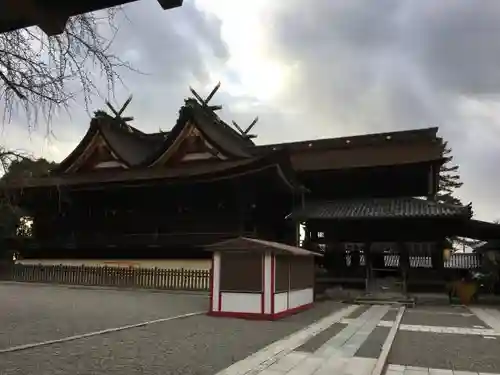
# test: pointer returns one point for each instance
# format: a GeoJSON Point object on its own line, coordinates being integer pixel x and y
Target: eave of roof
{"type": "Point", "coordinates": [246, 244]}
{"type": "Point", "coordinates": [190, 172]}
{"type": "Point", "coordinates": [377, 208]}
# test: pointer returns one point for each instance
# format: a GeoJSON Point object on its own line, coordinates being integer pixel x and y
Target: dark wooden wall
{"type": "Point", "coordinates": [241, 272]}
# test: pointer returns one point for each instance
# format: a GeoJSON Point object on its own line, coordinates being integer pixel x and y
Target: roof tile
{"type": "Point", "coordinates": [377, 208]}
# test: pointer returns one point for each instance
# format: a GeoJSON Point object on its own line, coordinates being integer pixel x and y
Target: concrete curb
{"type": "Point", "coordinates": [96, 333]}
{"type": "Point", "coordinates": [386, 348]}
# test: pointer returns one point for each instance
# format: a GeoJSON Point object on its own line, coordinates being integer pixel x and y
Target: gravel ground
{"type": "Point", "coordinates": [372, 347]}
{"type": "Point", "coordinates": [446, 351]}
{"type": "Point", "coordinates": [198, 345]}
{"type": "Point", "coordinates": [34, 313]}
{"type": "Point", "coordinates": [443, 320]}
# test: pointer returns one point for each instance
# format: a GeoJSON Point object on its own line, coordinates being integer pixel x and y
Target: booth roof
{"type": "Point", "coordinates": [257, 245]}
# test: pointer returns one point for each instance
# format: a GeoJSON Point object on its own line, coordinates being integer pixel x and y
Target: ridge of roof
{"type": "Point", "coordinates": [424, 134]}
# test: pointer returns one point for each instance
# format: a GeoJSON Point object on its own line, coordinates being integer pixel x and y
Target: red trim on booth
{"type": "Point", "coordinates": [257, 316]}
{"type": "Point", "coordinates": [212, 285]}
{"type": "Point", "coordinates": [273, 264]}
{"type": "Point", "coordinates": [263, 294]}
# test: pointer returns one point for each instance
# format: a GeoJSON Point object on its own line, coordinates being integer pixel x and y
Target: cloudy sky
{"type": "Point", "coordinates": [316, 69]}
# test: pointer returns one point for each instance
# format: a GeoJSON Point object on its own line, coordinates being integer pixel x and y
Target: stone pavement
{"type": "Point", "coordinates": [436, 341]}
{"type": "Point", "coordinates": [336, 355]}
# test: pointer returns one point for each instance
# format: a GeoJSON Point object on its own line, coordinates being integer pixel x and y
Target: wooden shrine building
{"type": "Point", "coordinates": [126, 194]}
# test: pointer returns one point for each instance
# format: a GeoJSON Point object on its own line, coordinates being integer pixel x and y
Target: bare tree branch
{"type": "Point", "coordinates": [39, 74]}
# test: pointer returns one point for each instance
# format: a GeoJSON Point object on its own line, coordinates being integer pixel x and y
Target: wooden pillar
{"type": "Point", "coordinates": [368, 265]}
{"type": "Point", "coordinates": [334, 259]}
{"type": "Point", "coordinates": [404, 264]}
{"type": "Point", "coordinates": [432, 187]}
{"type": "Point", "coordinates": [297, 233]}
{"type": "Point", "coordinates": [437, 256]}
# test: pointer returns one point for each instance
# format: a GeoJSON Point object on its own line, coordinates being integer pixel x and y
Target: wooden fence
{"type": "Point", "coordinates": [155, 278]}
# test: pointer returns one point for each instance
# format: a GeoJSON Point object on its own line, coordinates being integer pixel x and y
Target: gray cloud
{"type": "Point", "coordinates": [367, 66]}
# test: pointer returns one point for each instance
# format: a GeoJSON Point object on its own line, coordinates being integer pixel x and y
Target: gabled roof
{"type": "Point", "coordinates": [129, 145]}
{"type": "Point", "coordinates": [377, 208]}
{"type": "Point", "coordinates": [217, 132]}
{"type": "Point", "coordinates": [136, 149]}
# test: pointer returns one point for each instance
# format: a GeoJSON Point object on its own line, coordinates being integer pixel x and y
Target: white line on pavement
{"type": "Point", "coordinates": [96, 333]}
{"type": "Point", "coordinates": [490, 316]}
{"type": "Point", "coordinates": [386, 348]}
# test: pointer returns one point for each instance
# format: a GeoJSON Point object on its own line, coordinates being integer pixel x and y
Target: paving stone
{"type": "Point", "coordinates": [391, 315]}
{"type": "Point", "coordinates": [433, 371]}
{"type": "Point", "coordinates": [359, 366]}
{"type": "Point", "coordinates": [320, 339]}
{"type": "Point", "coordinates": [307, 367]}
{"type": "Point", "coordinates": [288, 362]}
{"type": "Point", "coordinates": [372, 346]}
{"type": "Point", "coordinates": [419, 371]}
{"type": "Point", "coordinates": [358, 312]}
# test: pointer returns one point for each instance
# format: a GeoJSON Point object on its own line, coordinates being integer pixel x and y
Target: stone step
{"type": "Point", "coordinates": [385, 300]}
{"type": "Point", "coordinates": [382, 302]}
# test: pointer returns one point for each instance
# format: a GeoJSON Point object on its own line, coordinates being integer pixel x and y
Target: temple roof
{"type": "Point", "coordinates": [135, 148]}
{"type": "Point", "coordinates": [377, 208]}
{"type": "Point", "coordinates": [488, 246]}
{"type": "Point", "coordinates": [216, 131]}
{"type": "Point", "coordinates": [132, 148]}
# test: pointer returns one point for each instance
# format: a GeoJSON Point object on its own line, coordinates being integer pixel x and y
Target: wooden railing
{"type": "Point", "coordinates": [154, 278]}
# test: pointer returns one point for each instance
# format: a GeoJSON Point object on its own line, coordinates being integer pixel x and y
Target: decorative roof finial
{"type": "Point", "coordinates": [118, 114]}
{"type": "Point", "coordinates": [244, 133]}
{"type": "Point", "coordinates": [204, 102]}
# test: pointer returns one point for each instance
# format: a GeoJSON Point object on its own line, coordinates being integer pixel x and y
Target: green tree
{"type": "Point", "coordinates": [449, 182]}
{"type": "Point", "coordinates": [13, 221]}
{"type": "Point", "coordinates": [449, 179]}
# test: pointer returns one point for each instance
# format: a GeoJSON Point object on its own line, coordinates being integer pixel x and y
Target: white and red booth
{"type": "Point", "coordinates": [257, 279]}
